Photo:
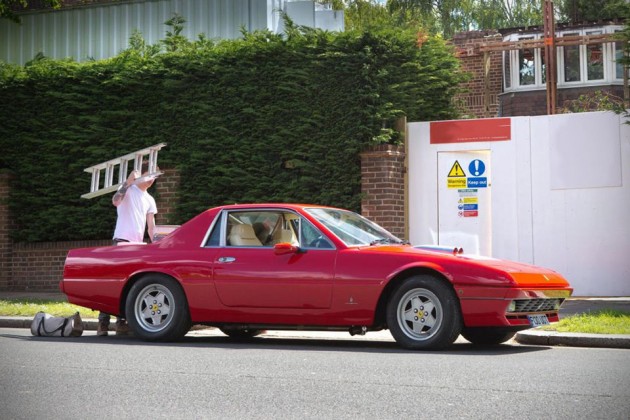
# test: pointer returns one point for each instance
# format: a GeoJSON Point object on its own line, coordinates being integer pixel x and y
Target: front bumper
{"type": "Point", "coordinates": [510, 307]}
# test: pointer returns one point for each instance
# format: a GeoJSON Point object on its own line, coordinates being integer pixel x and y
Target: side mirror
{"type": "Point", "coordinates": [284, 248]}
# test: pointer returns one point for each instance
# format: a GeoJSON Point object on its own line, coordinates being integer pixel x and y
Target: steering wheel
{"type": "Point", "coordinates": [318, 242]}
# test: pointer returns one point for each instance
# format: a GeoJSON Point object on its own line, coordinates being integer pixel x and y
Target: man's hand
{"type": "Point", "coordinates": [132, 177]}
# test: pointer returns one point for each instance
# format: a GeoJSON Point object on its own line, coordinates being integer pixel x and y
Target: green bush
{"type": "Point", "coordinates": [263, 118]}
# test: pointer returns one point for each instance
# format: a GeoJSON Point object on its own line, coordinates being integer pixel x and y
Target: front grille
{"type": "Point", "coordinates": [537, 305]}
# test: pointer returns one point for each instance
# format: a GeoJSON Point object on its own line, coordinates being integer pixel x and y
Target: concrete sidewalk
{"type": "Point", "coordinates": [572, 306]}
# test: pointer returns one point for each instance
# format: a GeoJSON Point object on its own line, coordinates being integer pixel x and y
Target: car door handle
{"type": "Point", "coordinates": [226, 259]}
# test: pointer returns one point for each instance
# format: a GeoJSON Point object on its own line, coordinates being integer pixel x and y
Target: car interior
{"type": "Point", "coordinates": [260, 229]}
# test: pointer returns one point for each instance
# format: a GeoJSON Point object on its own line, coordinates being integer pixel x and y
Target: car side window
{"type": "Point", "coordinates": [215, 236]}
{"type": "Point", "coordinates": [259, 228]}
{"type": "Point", "coordinates": [310, 236]}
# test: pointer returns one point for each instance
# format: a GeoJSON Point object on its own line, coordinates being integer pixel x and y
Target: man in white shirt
{"type": "Point", "coordinates": [136, 211]}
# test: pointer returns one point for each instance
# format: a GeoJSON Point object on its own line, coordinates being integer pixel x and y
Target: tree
{"type": "Point", "coordinates": [496, 14]}
{"type": "Point", "coordinates": [8, 8]}
{"type": "Point", "coordinates": [364, 14]}
{"type": "Point", "coordinates": [577, 11]}
{"type": "Point", "coordinates": [447, 17]}
{"type": "Point", "coordinates": [444, 17]}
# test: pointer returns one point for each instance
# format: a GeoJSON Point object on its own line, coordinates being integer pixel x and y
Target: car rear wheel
{"type": "Point", "coordinates": [487, 336]}
{"type": "Point", "coordinates": [241, 333]}
{"type": "Point", "coordinates": [157, 309]}
{"type": "Point", "coordinates": [423, 313]}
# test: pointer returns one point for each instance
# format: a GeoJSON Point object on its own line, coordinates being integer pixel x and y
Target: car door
{"type": "Point", "coordinates": [250, 273]}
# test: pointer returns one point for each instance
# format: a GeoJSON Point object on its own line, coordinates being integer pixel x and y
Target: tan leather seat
{"type": "Point", "coordinates": [243, 235]}
{"type": "Point", "coordinates": [285, 235]}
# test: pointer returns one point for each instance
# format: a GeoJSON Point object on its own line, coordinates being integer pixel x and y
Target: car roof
{"type": "Point", "coordinates": [290, 206]}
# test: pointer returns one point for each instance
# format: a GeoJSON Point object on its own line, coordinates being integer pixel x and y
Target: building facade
{"type": "Point", "coordinates": [102, 29]}
{"type": "Point", "coordinates": [511, 82]}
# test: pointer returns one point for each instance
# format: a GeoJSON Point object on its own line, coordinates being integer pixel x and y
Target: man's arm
{"type": "Point", "coordinates": [120, 194]}
{"type": "Point", "coordinates": [151, 226]}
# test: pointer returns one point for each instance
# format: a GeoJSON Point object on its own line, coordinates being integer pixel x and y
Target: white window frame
{"type": "Point", "coordinates": [613, 52]}
{"type": "Point", "coordinates": [608, 51]}
{"type": "Point", "coordinates": [560, 61]}
{"type": "Point", "coordinates": [515, 68]}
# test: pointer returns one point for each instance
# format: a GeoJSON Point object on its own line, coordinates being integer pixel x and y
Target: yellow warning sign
{"type": "Point", "coordinates": [456, 183]}
{"type": "Point", "coordinates": [456, 171]}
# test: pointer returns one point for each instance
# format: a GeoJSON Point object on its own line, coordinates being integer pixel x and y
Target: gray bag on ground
{"type": "Point", "coordinates": [50, 326]}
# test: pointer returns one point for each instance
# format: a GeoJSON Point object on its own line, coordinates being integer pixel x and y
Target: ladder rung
{"type": "Point", "coordinates": [130, 156]}
{"type": "Point", "coordinates": [123, 165]}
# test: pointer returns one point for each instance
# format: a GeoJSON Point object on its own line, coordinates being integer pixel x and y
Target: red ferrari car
{"type": "Point", "coordinates": [249, 268]}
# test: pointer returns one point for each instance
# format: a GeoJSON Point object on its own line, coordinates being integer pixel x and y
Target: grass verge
{"type": "Point", "coordinates": [29, 307]}
{"type": "Point", "coordinates": [598, 322]}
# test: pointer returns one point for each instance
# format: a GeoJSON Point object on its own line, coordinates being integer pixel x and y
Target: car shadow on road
{"type": "Point", "coordinates": [292, 343]}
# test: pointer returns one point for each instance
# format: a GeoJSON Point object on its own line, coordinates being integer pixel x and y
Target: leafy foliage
{"type": "Point", "coordinates": [263, 118]}
{"type": "Point", "coordinates": [594, 101]}
{"type": "Point", "coordinates": [447, 17]}
{"type": "Point", "coordinates": [578, 11]}
{"type": "Point", "coordinates": [8, 8]}
{"type": "Point", "coordinates": [497, 14]}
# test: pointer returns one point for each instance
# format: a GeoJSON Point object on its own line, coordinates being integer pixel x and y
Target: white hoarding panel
{"type": "Point", "coordinates": [583, 154]}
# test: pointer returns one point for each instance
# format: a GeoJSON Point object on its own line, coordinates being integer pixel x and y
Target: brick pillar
{"type": "Point", "coordinates": [167, 186]}
{"type": "Point", "coordinates": [383, 187]}
{"type": "Point", "coordinates": [5, 241]}
{"type": "Point", "coordinates": [478, 89]}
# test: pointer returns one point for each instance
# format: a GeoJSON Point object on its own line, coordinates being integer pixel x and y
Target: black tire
{"type": "Point", "coordinates": [487, 336]}
{"type": "Point", "coordinates": [241, 333]}
{"type": "Point", "coordinates": [157, 309]}
{"type": "Point", "coordinates": [423, 313]}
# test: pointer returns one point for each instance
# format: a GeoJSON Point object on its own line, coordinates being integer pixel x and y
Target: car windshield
{"type": "Point", "coordinates": [352, 228]}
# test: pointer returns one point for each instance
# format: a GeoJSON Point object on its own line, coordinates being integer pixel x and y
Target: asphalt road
{"type": "Point", "coordinates": [279, 377]}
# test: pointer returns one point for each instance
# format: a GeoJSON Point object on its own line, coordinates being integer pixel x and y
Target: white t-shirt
{"type": "Point", "coordinates": [132, 214]}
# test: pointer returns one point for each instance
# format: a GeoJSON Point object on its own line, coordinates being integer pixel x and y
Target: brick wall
{"type": "Point", "coordinates": [530, 103]}
{"type": "Point", "coordinates": [471, 101]}
{"type": "Point", "coordinates": [383, 187]}
{"type": "Point", "coordinates": [166, 195]}
{"type": "Point", "coordinates": [5, 243]}
{"type": "Point", "coordinates": [39, 266]}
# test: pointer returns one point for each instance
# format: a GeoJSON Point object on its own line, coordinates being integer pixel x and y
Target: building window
{"type": "Point", "coordinates": [571, 59]}
{"type": "Point", "coordinates": [507, 72]}
{"type": "Point", "coordinates": [527, 69]}
{"type": "Point", "coordinates": [595, 59]}
{"type": "Point", "coordinates": [591, 64]}
{"type": "Point", "coordinates": [618, 57]}
{"type": "Point", "coordinates": [524, 68]}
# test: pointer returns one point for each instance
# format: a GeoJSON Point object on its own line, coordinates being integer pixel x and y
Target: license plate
{"type": "Point", "coordinates": [538, 320]}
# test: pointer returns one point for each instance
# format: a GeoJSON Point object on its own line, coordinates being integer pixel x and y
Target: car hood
{"type": "Point", "coordinates": [469, 268]}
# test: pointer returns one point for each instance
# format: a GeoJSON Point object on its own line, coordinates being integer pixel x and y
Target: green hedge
{"type": "Point", "coordinates": [263, 118]}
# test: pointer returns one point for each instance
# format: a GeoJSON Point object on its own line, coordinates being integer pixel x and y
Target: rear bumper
{"type": "Point", "coordinates": [101, 296]}
{"type": "Point", "coordinates": [491, 307]}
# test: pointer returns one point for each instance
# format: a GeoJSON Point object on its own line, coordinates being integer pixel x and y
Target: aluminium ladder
{"type": "Point", "coordinates": [122, 162]}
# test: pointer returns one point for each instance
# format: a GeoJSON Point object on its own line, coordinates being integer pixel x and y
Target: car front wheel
{"type": "Point", "coordinates": [423, 313]}
{"type": "Point", "coordinates": [157, 309]}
